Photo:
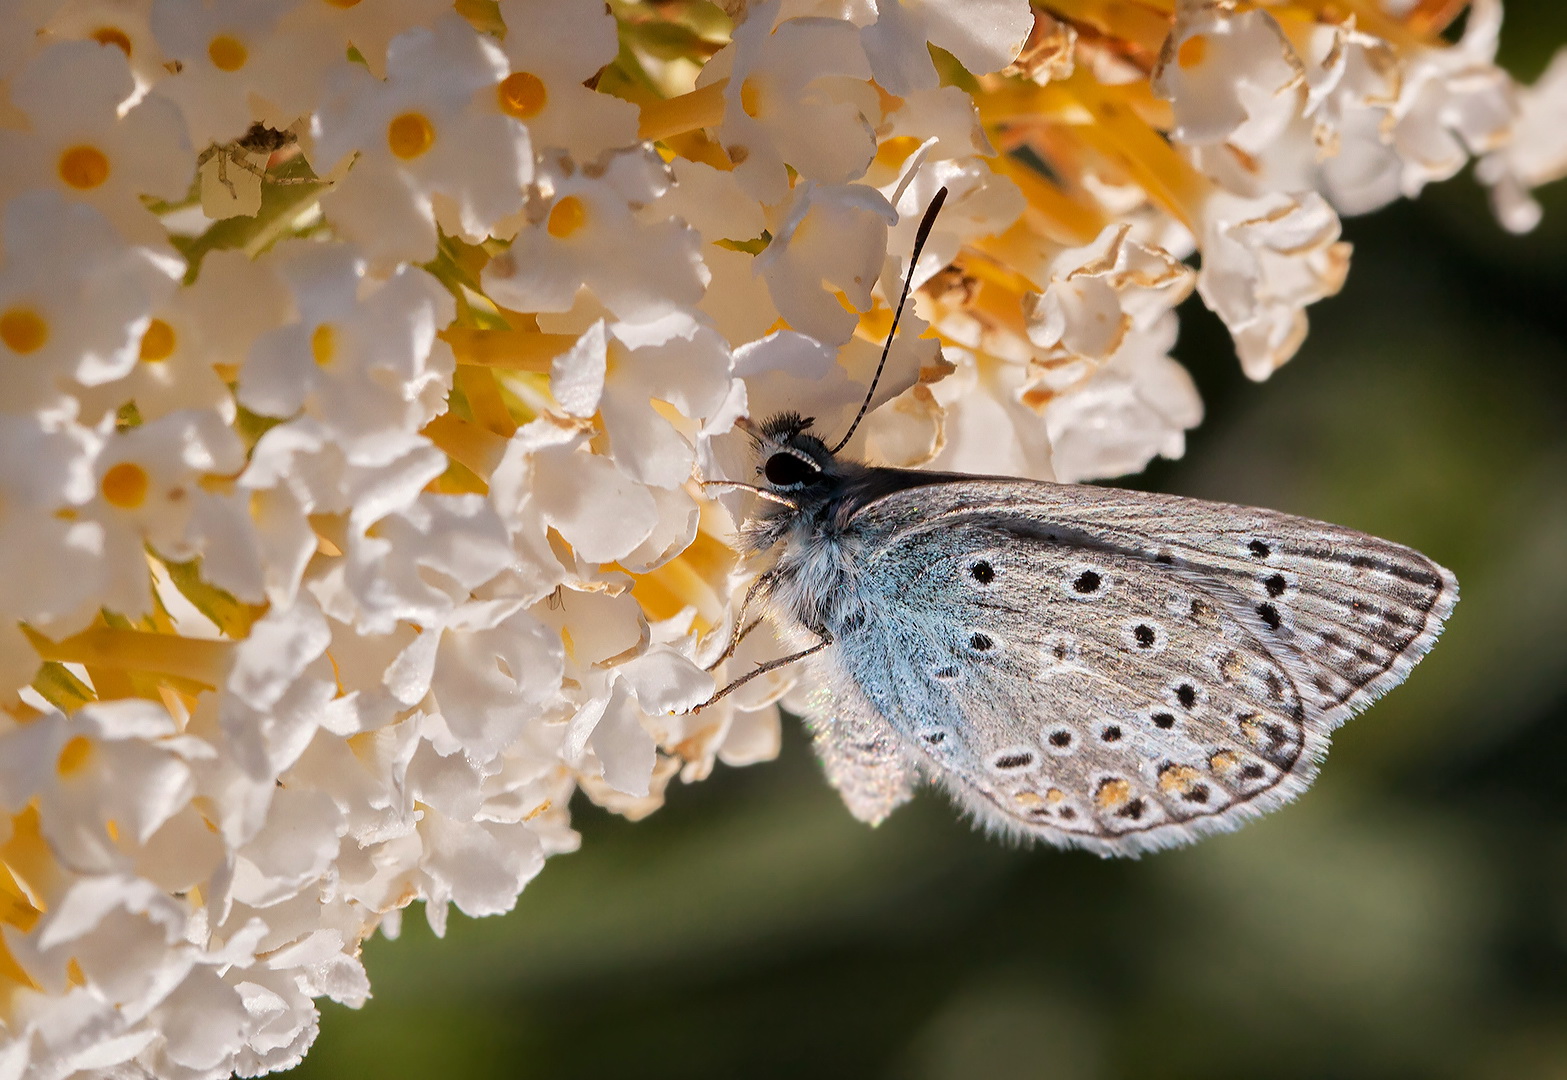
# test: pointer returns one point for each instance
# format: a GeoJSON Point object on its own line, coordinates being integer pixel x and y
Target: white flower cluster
{"type": "Point", "coordinates": [359, 362]}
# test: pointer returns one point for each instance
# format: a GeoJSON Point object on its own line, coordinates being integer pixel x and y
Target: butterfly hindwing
{"type": "Point", "coordinates": [861, 754]}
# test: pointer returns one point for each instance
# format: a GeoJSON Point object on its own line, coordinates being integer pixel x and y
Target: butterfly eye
{"type": "Point", "coordinates": [788, 470]}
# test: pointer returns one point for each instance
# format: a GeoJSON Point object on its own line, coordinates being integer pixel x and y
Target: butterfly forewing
{"type": "Point", "coordinates": [1348, 612]}
{"type": "Point", "coordinates": [1070, 677]}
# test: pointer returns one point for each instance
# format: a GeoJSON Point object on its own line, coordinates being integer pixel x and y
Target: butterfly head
{"type": "Point", "coordinates": [792, 461]}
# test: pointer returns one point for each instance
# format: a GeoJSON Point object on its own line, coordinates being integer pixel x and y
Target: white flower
{"type": "Point", "coordinates": [1454, 102]}
{"type": "Point", "coordinates": [433, 143]}
{"type": "Point", "coordinates": [620, 372]}
{"type": "Point", "coordinates": [362, 356]}
{"type": "Point", "coordinates": [585, 233]}
{"type": "Point", "coordinates": [1328, 106]}
{"type": "Point", "coordinates": [713, 202]}
{"type": "Point", "coordinates": [479, 866]}
{"type": "Point", "coordinates": [296, 846]}
{"type": "Point", "coordinates": [495, 679]}
{"type": "Point", "coordinates": [623, 702]}
{"type": "Point", "coordinates": [368, 28]}
{"type": "Point", "coordinates": [124, 25]}
{"type": "Point", "coordinates": [984, 35]}
{"type": "Point", "coordinates": [1264, 260]}
{"type": "Point", "coordinates": [277, 690]}
{"type": "Point", "coordinates": [1537, 152]}
{"type": "Point", "coordinates": [554, 46]}
{"type": "Point", "coordinates": [554, 480]}
{"type": "Point", "coordinates": [112, 770]}
{"type": "Point", "coordinates": [46, 472]}
{"type": "Point", "coordinates": [193, 333]}
{"type": "Point", "coordinates": [77, 142]}
{"type": "Point", "coordinates": [147, 479]}
{"type": "Point", "coordinates": [74, 307]}
{"type": "Point", "coordinates": [986, 427]}
{"type": "Point", "coordinates": [1106, 322]}
{"type": "Point", "coordinates": [309, 47]}
{"type": "Point", "coordinates": [1136, 406]}
{"type": "Point", "coordinates": [419, 563]}
{"type": "Point", "coordinates": [302, 468]}
{"type": "Point", "coordinates": [215, 44]}
{"type": "Point", "coordinates": [791, 372]}
{"type": "Point", "coordinates": [1097, 296]}
{"type": "Point", "coordinates": [126, 937]}
{"type": "Point", "coordinates": [1232, 78]}
{"type": "Point", "coordinates": [799, 95]}
{"type": "Point", "coordinates": [831, 243]}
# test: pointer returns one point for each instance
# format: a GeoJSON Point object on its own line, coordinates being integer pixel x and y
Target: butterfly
{"type": "Point", "coordinates": [1112, 670]}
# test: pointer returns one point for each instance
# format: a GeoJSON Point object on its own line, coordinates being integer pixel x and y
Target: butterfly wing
{"type": "Point", "coordinates": [1117, 670]}
{"type": "Point", "coordinates": [862, 756]}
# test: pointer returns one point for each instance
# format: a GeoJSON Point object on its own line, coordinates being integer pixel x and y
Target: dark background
{"type": "Point", "coordinates": [1406, 918]}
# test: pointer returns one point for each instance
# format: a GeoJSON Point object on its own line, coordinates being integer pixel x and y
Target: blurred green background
{"type": "Point", "coordinates": [1406, 918]}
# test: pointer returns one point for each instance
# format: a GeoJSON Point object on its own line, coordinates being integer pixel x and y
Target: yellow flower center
{"type": "Point", "coordinates": [83, 167]}
{"type": "Point", "coordinates": [410, 135]}
{"type": "Point", "coordinates": [694, 578]}
{"type": "Point", "coordinates": [751, 97]}
{"type": "Point", "coordinates": [226, 53]}
{"type": "Point", "coordinates": [566, 217]}
{"type": "Point", "coordinates": [1192, 51]}
{"type": "Point", "coordinates": [23, 330]}
{"type": "Point", "coordinates": [112, 35]}
{"type": "Point", "coordinates": [323, 344]}
{"type": "Point", "coordinates": [522, 95]}
{"type": "Point", "coordinates": [896, 150]}
{"type": "Point", "coordinates": [74, 755]}
{"type": "Point", "coordinates": [158, 342]}
{"type": "Point", "coordinates": [125, 485]}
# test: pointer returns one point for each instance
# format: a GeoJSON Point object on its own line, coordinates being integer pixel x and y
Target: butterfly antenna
{"type": "Point", "coordinates": [920, 236]}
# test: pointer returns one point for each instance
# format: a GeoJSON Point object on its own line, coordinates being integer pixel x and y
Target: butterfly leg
{"type": "Point", "coordinates": [741, 627]}
{"type": "Point", "coordinates": [771, 665]}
